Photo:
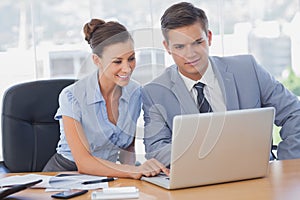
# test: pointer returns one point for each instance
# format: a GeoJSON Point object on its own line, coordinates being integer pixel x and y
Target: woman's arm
{"type": "Point", "coordinates": [89, 164]}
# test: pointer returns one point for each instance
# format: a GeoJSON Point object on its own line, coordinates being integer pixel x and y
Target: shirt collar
{"type": "Point", "coordinates": [207, 78]}
{"type": "Point", "coordinates": [93, 90]}
{"type": "Point", "coordinates": [128, 90]}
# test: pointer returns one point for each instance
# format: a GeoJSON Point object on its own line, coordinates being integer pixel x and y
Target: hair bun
{"type": "Point", "coordinates": [90, 27]}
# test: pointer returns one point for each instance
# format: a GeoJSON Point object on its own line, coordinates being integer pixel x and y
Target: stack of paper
{"type": "Point", "coordinates": [70, 181]}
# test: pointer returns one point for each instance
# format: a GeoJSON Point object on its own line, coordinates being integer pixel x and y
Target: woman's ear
{"type": "Point", "coordinates": [96, 59]}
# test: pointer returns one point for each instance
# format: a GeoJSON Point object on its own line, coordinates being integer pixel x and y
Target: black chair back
{"type": "Point", "coordinates": [29, 131]}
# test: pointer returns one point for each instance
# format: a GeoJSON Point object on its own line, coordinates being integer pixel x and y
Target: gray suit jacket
{"type": "Point", "coordinates": [244, 84]}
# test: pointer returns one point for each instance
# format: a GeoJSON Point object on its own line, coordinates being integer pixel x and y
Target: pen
{"type": "Point", "coordinates": [98, 181]}
{"type": "Point", "coordinates": [63, 175]}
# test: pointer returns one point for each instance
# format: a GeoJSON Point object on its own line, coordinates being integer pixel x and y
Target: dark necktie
{"type": "Point", "coordinates": [203, 104]}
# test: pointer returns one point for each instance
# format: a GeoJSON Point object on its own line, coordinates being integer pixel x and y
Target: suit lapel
{"type": "Point", "coordinates": [179, 89]}
{"type": "Point", "coordinates": [227, 84]}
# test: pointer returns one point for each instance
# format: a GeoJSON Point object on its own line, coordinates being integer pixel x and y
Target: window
{"type": "Point", "coordinates": [43, 39]}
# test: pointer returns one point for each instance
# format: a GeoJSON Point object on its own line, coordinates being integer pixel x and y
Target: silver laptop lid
{"type": "Point", "coordinates": [220, 147]}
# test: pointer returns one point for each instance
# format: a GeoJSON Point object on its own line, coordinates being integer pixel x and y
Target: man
{"type": "Point", "coordinates": [230, 83]}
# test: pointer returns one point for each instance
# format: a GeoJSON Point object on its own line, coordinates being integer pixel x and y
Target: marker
{"type": "Point", "coordinates": [98, 181]}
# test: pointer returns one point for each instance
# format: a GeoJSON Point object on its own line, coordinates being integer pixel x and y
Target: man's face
{"type": "Point", "coordinates": [189, 47]}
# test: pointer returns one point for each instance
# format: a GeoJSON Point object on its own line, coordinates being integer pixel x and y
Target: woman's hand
{"type": "Point", "coordinates": [151, 167]}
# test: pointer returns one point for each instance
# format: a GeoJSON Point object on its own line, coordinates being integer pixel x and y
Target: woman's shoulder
{"type": "Point", "coordinates": [78, 89]}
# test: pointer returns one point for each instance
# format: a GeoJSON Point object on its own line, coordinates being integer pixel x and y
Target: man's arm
{"type": "Point", "coordinates": [287, 106]}
{"type": "Point", "coordinates": [157, 133]}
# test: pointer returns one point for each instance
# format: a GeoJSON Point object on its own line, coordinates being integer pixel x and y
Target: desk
{"type": "Point", "coordinates": [283, 182]}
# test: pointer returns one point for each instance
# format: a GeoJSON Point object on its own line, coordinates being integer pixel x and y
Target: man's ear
{"type": "Point", "coordinates": [166, 45]}
{"type": "Point", "coordinates": [209, 37]}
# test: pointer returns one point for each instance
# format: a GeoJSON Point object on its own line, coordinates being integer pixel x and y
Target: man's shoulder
{"type": "Point", "coordinates": [164, 78]}
{"type": "Point", "coordinates": [234, 58]}
{"type": "Point", "coordinates": [234, 64]}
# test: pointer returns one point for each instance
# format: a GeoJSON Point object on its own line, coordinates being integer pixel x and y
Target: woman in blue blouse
{"type": "Point", "coordinates": [98, 113]}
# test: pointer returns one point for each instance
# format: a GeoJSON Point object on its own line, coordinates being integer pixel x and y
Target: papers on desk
{"type": "Point", "coordinates": [70, 181]}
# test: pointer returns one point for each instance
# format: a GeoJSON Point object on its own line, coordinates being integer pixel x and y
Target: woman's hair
{"type": "Point", "coordinates": [100, 34]}
{"type": "Point", "coordinates": [180, 15]}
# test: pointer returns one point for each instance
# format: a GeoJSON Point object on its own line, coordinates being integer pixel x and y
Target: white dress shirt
{"type": "Point", "coordinates": [212, 90]}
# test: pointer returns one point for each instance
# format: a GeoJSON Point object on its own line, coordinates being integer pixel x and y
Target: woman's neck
{"type": "Point", "coordinates": [109, 89]}
{"type": "Point", "coordinates": [111, 94]}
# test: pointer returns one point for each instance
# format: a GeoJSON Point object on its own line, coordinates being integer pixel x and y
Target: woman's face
{"type": "Point", "coordinates": [118, 62]}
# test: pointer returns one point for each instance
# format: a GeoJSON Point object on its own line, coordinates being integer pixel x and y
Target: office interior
{"type": "Point", "coordinates": [41, 40]}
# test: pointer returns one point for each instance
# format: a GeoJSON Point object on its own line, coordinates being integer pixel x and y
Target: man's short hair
{"type": "Point", "coordinates": [180, 15]}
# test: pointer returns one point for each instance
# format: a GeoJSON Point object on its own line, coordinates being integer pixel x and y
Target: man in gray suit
{"type": "Point", "coordinates": [230, 83]}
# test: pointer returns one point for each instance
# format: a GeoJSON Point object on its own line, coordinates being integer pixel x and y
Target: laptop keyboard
{"type": "Point", "coordinates": [163, 175]}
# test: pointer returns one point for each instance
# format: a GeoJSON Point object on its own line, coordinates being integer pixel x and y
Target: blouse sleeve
{"type": "Point", "coordinates": [68, 105]}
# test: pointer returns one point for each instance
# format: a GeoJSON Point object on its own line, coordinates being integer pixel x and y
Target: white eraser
{"type": "Point", "coordinates": [120, 190]}
{"type": "Point", "coordinates": [116, 193]}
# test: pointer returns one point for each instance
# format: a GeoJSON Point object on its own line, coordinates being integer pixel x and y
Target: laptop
{"type": "Point", "coordinates": [218, 147]}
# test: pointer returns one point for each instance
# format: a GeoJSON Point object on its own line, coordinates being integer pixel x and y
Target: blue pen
{"type": "Point", "coordinates": [98, 181]}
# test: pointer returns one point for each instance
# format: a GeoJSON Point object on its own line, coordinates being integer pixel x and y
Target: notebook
{"type": "Point", "coordinates": [218, 147]}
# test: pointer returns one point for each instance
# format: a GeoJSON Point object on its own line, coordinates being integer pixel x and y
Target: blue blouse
{"type": "Point", "coordinates": [83, 101]}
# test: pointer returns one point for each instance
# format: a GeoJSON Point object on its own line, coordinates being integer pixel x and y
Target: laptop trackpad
{"type": "Point", "coordinates": [161, 180]}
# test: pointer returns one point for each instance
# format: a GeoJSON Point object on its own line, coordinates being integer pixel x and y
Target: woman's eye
{"type": "Point", "coordinates": [131, 59]}
{"type": "Point", "coordinates": [117, 61]}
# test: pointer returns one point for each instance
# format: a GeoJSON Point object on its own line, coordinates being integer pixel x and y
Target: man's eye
{"type": "Point", "coordinates": [197, 42]}
{"type": "Point", "coordinates": [200, 41]}
{"type": "Point", "coordinates": [179, 46]}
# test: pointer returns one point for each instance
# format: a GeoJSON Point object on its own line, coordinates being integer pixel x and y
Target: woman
{"type": "Point", "coordinates": [98, 113]}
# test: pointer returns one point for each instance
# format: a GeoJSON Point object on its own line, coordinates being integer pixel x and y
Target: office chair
{"type": "Point", "coordinates": [29, 131]}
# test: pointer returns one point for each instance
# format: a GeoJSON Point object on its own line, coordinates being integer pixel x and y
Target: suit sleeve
{"type": "Point", "coordinates": [157, 133]}
{"type": "Point", "coordinates": [287, 106]}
